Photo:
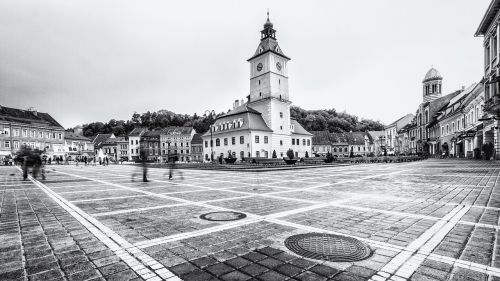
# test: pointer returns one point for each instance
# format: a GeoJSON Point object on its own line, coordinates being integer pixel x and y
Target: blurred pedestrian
{"type": "Point", "coordinates": [172, 167]}
{"type": "Point", "coordinates": [143, 159]}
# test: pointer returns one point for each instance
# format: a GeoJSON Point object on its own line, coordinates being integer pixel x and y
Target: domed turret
{"type": "Point", "coordinates": [432, 74]}
{"type": "Point", "coordinates": [432, 85]}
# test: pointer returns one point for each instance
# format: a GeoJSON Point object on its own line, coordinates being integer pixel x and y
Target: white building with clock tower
{"type": "Point", "coordinates": [261, 125]}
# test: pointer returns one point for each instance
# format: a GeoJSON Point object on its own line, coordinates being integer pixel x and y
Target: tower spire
{"type": "Point", "coordinates": [268, 30]}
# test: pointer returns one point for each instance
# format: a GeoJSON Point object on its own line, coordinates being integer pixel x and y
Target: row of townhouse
{"type": "Point", "coordinates": [463, 123]}
{"type": "Point", "coordinates": [368, 143]}
{"type": "Point", "coordinates": [30, 128]}
{"type": "Point", "coordinates": [155, 145]}
{"type": "Point", "coordinates": [449, 125]}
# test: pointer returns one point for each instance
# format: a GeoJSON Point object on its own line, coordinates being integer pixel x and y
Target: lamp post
{"type": "Point", "coordinates": [211, 113]}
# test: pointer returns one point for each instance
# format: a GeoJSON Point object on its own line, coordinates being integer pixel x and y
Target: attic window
{"type": "Point", "coordinates": [261, 50]}
{"type": "Point", "coordinates": [277, 49]}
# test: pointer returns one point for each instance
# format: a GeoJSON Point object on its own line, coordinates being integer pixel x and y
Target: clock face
{"type": "Point", "coordinates": [259, 67]}
{"type": "Point", "coordinates": [278, 65]}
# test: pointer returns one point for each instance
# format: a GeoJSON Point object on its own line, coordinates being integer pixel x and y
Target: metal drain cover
{"type": "Point", "coordinates": [223, 216]}
{"type": "Point", "coordinates": [329, 247]}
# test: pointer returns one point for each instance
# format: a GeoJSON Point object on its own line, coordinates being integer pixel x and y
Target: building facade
{"type": "Point", "coordinates": [150, 145]}
{"type": "Point", "coordinates": [489, 29]}
{"type": "Point", "coordinates": [176, 142]}
{"type": "Point", "coordinates": [197, 148]}
{"type": "Point", "coordinates": [392, 132]}
{"type": "Point", "coordinates": [35, 129]}
{"type": "Point", "coordinates": [134, 146]}
{"type": "Point", "coordinates": [77, 146]}
{"type": "Point", "coordinates": [261, 126]}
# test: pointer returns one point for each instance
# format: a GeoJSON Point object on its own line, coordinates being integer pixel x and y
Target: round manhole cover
{"type": "Point", "coordinates": [329, 247]}
{"type": "Point", "coordinates": [223, 216]}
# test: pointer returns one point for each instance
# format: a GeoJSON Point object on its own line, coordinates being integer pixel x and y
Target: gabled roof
{"type": "Point", "coordinates": [114, 141]}
{"type": "Point", "coordinates": [401, 122]}
{"type": "Point", "coordinates": [251, 118]}
{"type": "Point", "coordinates": [488, 18]}
{"type": "Point", "coordinates": [197, 139]}
{"type": "Point", "coordinates": [298, 129]}
{"type": "Point", "coordinates": [29, 117]}
{"type": "Point", "coordinates": [177, 130]}
{"type": "Point", "coordinates": [137, 132]}
{"type": "Point", "coordinates": [149, 134]}
{"type": "Point", "coordinates": [101, 138]}
{"type": "Point", "coordinates": [375, 135]}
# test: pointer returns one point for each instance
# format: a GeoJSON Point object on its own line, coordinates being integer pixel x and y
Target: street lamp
{"type": "Point", "coordinates": [210, 113]}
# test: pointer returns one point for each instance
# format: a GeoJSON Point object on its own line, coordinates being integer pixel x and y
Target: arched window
{"type": "Point", "coordinates": [334, 149]}
{"type": "Point", "coordinates": [217, 142]}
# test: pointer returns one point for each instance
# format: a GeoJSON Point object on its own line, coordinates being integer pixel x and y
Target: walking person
{"type": "Point", "coordinates": [172, 168]}
{"type": "Point", "coordinates": [143, 159]}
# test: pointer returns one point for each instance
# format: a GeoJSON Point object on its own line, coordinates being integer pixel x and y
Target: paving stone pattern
{"type": "Point", "coordinates": [428, 220]}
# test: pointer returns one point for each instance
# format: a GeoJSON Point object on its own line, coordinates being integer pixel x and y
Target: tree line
{"type": "Point", "coordinates": [311, 120]}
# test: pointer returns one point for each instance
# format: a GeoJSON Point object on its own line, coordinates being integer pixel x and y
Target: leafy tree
{"type": "Point", "coordinates": [311, 120]}
{"type": "Point", "coordinates": [290, 154]}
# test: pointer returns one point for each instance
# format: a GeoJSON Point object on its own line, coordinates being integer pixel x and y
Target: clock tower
{"type": "Point", "coordinates": [269, 82]}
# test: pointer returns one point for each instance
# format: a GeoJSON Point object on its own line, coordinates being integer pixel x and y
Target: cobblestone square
{"type": "Point", "coordinates": [426, 220]}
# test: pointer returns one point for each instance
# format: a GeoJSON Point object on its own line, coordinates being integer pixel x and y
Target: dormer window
{"type": "Point", "coordinates": [261, 50]}
{"type": "Point", "coordinates": [277, 49]}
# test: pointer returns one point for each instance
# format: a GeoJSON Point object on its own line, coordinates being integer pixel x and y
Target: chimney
{"type": "Point", "coordinates": [463, 88]}
{"type": "Point", "coordinates": [236, 104]}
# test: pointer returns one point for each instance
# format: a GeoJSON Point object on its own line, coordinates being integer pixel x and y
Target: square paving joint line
{"type": "Point", "coordinates": [95, 228]}
{"type": "Point", "coordinates": [403, 266]}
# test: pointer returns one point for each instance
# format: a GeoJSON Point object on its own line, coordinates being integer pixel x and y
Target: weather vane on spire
{"type": "Point", "coordinates": [267, 13]}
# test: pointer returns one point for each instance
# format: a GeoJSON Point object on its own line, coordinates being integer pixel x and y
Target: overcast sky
{"type": "Point", "coordinates": [85, 61]}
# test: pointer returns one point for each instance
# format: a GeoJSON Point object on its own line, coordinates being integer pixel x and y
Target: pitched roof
{"type": "Point", "coordinates": [401, 122]}
{"type": "Point", "coordinates": [28, 117]}
{"type": "Point", "coordinates": [251, 120]}
{"type": "Point", "coordinates": [268, 45]}
{"type": "Point", "coordinates": [488, 18]}
{"type": "Point", "coordinates": [175, 129]}
{"type": "Point", "coordinates": [114, 141]}
{"type": "Point", "coordinates": [375, 135]}
{"type": "Point", "coordinates": [101, 138]}
{"type": "Point", "coordinates": [298, 129]}
{"type": "Point", "coordinates": [137, 132]}
{"type": "Point", "coordinates": [155, 133]}
{"type": "Point", "coordinates": [197, 139]}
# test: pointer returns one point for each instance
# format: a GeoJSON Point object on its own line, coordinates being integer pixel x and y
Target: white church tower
{"type": "Point", "coordinates": [269, 85]}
